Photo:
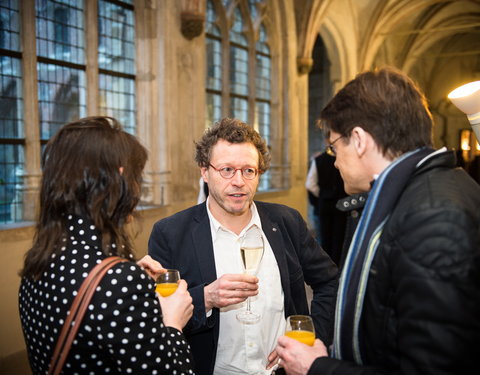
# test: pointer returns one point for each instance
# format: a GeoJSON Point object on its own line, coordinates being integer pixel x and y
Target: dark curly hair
{"type": "Point", "coordinates": [82, 175]}
{"type": "Point", "coordinates": [232, 131]}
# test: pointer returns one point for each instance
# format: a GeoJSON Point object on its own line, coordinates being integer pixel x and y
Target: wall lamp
{"type": "Point", "coordinates": [467, 99]}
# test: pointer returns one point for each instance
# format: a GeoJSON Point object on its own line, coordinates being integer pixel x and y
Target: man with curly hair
{"type": "Point", "coordinates": [203, 242]}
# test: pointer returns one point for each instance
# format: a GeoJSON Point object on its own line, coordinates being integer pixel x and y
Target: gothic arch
{"type": "Point", "coordinates": [390, 15]}
{"type": "Point", "coordinates": [341, 58]}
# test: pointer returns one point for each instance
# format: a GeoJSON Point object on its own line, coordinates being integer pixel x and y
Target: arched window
{"type": "Point", "coordinates": [61, 80]}
{"type": "Point", "coordinates": [237, 27]}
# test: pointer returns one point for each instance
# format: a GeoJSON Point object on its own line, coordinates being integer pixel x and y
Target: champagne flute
{"type": "Point", "coordinates": [251, 252]}
{"type": "Point", "coordinates": [167, 283]}
{"type": "Point", "coordinates": [300, 328]}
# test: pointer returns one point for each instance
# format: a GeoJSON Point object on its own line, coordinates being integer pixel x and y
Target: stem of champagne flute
{"type": "Point", "coordinates": [248, 304]}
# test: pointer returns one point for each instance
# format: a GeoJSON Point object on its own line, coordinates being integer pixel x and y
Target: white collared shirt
{"type": "Point", "coordinates": [244, 348]}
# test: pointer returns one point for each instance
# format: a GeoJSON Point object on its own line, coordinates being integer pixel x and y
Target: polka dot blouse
{"type": "Point", "coordinates": [122, 331]}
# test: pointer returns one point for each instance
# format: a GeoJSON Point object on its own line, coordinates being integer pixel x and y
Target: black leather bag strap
{"type": "Point", "coordinates": [77, 311]}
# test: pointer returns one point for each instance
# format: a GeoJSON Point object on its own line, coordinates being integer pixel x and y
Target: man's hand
{"type": "Point", "coordinates": [230, 289]}
{"type": "Point", "coordinates": [151, 266]}
{"type": "Point", "coordinates": [296, 357]}
{"type": "Point", "coordinates": [273, 359]}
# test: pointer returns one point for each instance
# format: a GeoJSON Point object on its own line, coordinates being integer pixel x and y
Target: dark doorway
{"type": "Point", "coordinates": [319, 93]}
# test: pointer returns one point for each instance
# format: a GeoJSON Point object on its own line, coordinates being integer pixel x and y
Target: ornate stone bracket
{"type": "Point", "coordinates": [191, 24]}
{"type": "Point", "coordinates": [304, 65]}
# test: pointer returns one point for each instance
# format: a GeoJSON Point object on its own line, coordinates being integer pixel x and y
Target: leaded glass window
{"type": "Point", "coordinates": [116, 60]}
{"type": "Point", "coordinates": [227, 3]}
{"type": "Point", "coordinates": [61, 63]}
{"type": "Point", "coordinates": [237, 27]}
{"type": "Point", "coordinates": [116, 37]}
{"type": "Point", "coordinates": [214, 67]}
{"type": "Point", "coordinates": [252, 5]}
{"type": "Point", "coordinates": [238, 68]}
{"type": "Point", "coordinates": [58, 36]}
{"type": "Point", "coordinates": [60, 30]}
{"type": "Point", "coordinates": [10, 25]}
{"type": "Point", "coordinates": [117, 99]}
{"type": "Point", "coordinates": [263, 89]}
{"type": "Point", "coordinates": [61, 96]}
{"type": "Point", "coordinates": [12, 138]}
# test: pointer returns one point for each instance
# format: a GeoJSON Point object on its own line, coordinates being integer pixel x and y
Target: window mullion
{"type": "Point", "coordinates": [251, 81]}
{"type": "Point", "coordinates": [91, 53]}
{"type": "Point", "coordinates": [226, 77]}
{"type": "Point", "coordinates": [31, 113]}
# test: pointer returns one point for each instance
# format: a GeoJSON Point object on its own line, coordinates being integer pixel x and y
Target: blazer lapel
{"type": "Point", "coordinates": [203, 246]}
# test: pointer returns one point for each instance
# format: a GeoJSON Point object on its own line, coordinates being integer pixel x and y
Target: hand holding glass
{"type": "Point", "coordinates": [167, 283]}
{"type": "Point", "coordinates": [251, 252]}
{"type": "Point", "coordinates": [300, 328]}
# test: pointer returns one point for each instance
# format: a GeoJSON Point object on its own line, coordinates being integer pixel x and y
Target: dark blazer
{"type": "Point", "coordinates": [184, 242]}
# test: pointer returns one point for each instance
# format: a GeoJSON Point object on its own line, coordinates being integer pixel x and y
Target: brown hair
{"type": "Point", "coordinates": [385, 103]}
{"type": "Point", "coordinates": [81, 175]}
{"type": "Point", "coordinates": [232, 131]}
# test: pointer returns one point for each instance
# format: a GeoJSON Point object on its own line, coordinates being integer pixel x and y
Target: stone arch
{"type": "Point", "coordinates": [341, 59]}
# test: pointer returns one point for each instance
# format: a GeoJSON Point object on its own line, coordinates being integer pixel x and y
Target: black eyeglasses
{"type": "Point", "coordinates": [228, 172]}
{"type": "Point", "coordinates": [330, 150]}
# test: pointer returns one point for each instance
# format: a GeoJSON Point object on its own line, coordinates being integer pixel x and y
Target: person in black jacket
{"type": "Point", "coordinates": [325, 187]}
{"type": "Point", "coordinates": [408, 299]}
{"type": "Point", "coordinates": [203, 243]}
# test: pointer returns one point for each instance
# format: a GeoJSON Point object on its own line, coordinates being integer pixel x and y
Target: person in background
{"type": "Point", "coordinates": [91, 183]}
{"type": "Point", "coordinates": [408, 299]}
{"type": "Point", "coordinates": [203, 242]}
{"type": "Point", "coordinates": [325, 187]}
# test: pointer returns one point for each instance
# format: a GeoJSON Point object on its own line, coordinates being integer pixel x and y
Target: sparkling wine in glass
{"type": "Point", "coordinates": [167, 282]}
{"type": "Point", "coordinates": [300, 328]}
{"type": "Point", "coordinates": [251, 252]}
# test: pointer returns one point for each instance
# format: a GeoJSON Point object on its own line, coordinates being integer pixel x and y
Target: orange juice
{"type": "Point", "coordinates": [306, 337]}
{"type": "Point", "coordinates": [165, 289]}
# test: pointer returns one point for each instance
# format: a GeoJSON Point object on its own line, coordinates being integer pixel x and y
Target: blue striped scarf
{"type": "Point", "coordinates": [353, 282]}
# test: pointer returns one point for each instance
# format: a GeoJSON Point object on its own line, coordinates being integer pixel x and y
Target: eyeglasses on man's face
{"type": "Point", "coordinates": [248, 173]}
{"type": "Point", "coordinates": [330, 150]}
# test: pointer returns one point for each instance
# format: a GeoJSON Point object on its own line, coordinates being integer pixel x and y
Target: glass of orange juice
{"type": "Point", "coordinates": [167, 282]}
{"type": "Point", "coordinates": [300, 328]}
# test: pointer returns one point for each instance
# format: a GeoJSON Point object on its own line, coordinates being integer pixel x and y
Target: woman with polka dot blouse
{"type": "Point", "coordinates": [91, 184]}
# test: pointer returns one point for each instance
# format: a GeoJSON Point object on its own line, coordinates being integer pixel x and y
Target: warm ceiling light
{"type": "Point", "coordinates": [467, 99]}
